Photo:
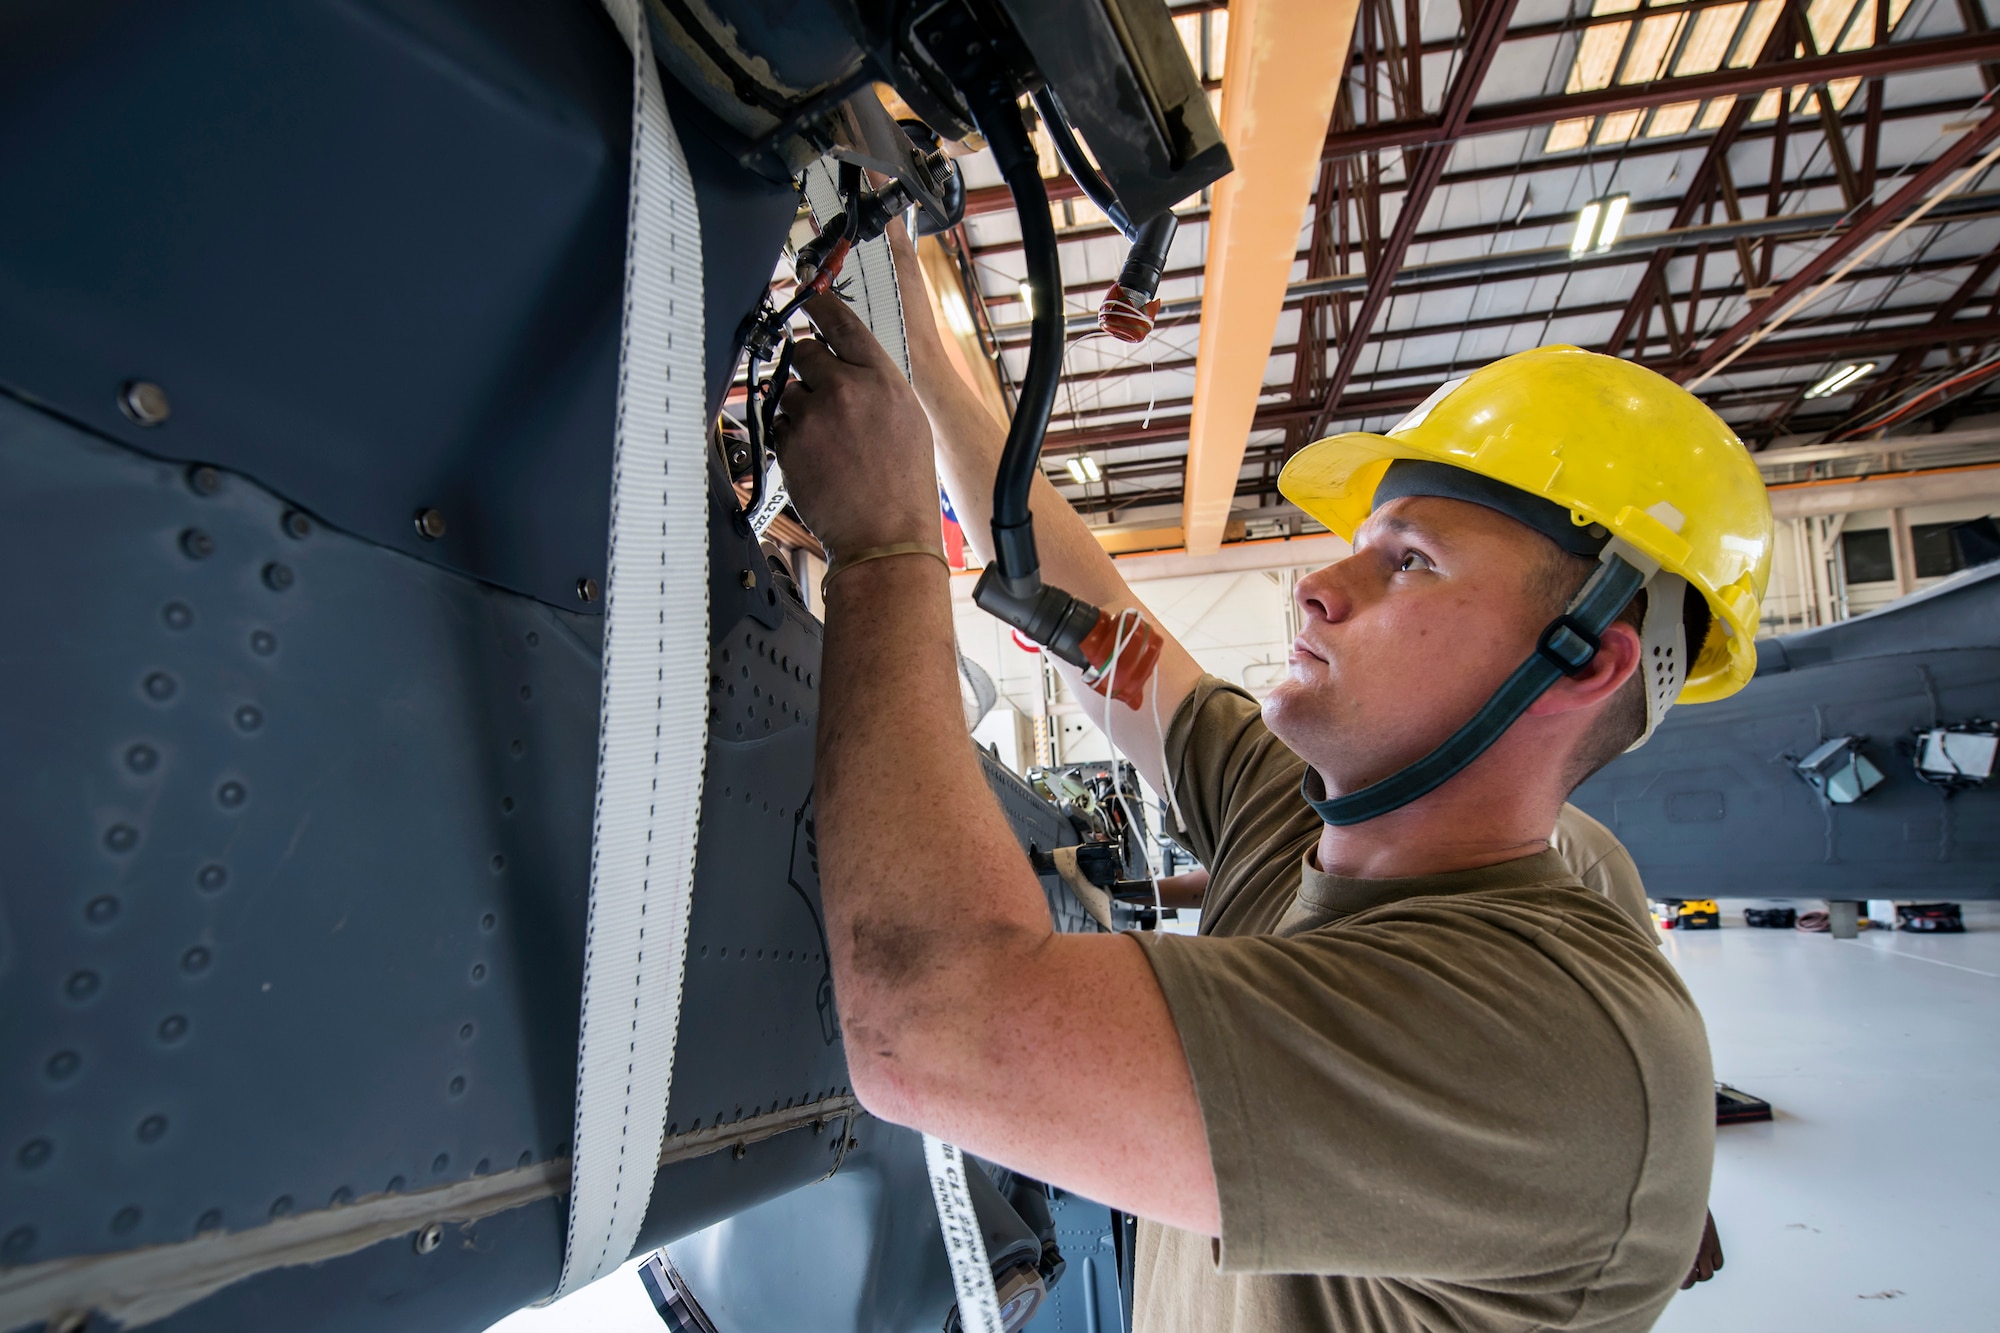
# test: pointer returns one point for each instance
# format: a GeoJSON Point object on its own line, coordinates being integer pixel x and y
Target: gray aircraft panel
{"type": "Point", "coordinates": [293, 904]}
{"type": "Point", "coordinates": [298, 829]}
{"type": "Point", "coordinates": [1712, 806]}
{"type": "Point", "coordinates": [373, 252]}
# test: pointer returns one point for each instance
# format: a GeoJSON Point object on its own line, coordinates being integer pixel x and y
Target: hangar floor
{"type": "Point", "coordinates": [1872, 1200]}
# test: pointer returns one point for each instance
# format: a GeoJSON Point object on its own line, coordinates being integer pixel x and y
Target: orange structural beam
{"type": "Point", "coordinates": [1283, 67]}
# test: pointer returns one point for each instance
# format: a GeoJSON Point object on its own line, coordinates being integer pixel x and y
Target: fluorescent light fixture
{"type": "Point", "coordinates": [1586, 228]}
{"type": "Point", "coordinates": [1840, 379]}
{"type": "Point", "coordinates": [956, 316]}
{"type": "Point", "coordinates": [1597, 224]}
{"type": "Point", "coordinates": [1028, 299]}
{"type": "Point", "coordinates": [1083, 470]}
{"type": "Point", "coordinates": [1614, 217]}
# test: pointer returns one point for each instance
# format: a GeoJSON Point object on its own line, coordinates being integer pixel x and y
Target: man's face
{"type": "Point", "coordinates": [1404, 640]}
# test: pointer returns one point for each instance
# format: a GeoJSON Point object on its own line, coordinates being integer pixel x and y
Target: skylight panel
{"type": "Point", "coordinates": [1652, 46]}
{"type": "Point", "coordinates": [1827, 18]}
{"type": "Point", "coordinates": [1861, 32]}
{"type": "Point", "coordinates": [1619, 126]}
{"type": "Point", "coordinates": [1597, 57]}
{"type": "Point", "coordinates": [1642, 49]}
{"type": "Point", "coordinates": [1565, 135]}
{"type": "Point", "coordinates": [1750, 43]}
{"type": "Point", "coordinates": [1706, 46]}
{"type": "Point", "coordinates": [1670, 120]}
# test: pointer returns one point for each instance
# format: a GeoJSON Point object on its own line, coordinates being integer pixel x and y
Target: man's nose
{"type": "Point", "coordinates": [1325, 595]}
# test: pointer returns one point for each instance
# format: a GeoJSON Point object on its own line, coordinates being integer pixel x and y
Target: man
{"type": "Point", "coordinates": [1412, 1074]}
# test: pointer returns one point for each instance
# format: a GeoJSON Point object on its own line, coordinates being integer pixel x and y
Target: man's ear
{"type": "Point", "coordinates": [1617, 658]}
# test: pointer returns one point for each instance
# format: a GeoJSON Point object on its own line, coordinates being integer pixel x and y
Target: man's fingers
{"type": "Point", "coordinates": [909, 273]}
{"type": "Point", "coordinates": [813, 363]}
{"type": "Point", "coordinates": [845, 333]}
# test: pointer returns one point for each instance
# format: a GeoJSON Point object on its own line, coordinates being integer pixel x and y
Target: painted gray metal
{"type": "Point", "coordinates": [299, 791]}
{"type": "Point", "coordinates": [294, 890]}
{"type": "Point", "coordinates": [371, 250]}
{"type": "Point", "coordinates": [1711, 806]}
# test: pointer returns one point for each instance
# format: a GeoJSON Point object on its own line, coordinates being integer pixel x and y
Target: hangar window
{"type": "Point", "coordinates": [1937, 550]}
{"type": "Point", "coordinates": [1866, 556]}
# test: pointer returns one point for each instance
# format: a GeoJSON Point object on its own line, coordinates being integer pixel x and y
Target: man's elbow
{"type": "Point", "coordinates": [927, 1022]}
{"type": "Point", "coordinates": [916, 1059]}
{"type": "Point", "coordinates": [887, 1066]}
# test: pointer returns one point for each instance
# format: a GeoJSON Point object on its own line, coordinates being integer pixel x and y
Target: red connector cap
{"type": "Point", "coordinates": [1124, 318]}
{"type": "Point", "coordinates": [1136, 663]}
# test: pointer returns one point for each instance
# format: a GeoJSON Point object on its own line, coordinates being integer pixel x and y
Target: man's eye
{"type": "Point", "coordinates": [1413, 560]}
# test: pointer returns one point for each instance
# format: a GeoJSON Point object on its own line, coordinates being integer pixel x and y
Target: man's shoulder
{"type": "Point", "coordinates": [1234, 786]}
{"type": "Point", "coordinates": [1560, 915]}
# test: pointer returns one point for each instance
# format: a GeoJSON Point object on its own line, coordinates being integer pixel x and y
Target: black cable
{"type": "Point", "coordinates": [753, 419]}
{"type": "Point", "coordinates": [1095, 188]}
{"type": "Point", "coordinates": [759, 420]}
{"type": "Point", "coordinates": [780, 376]}
{"type": "Point", "coordinates": [1013, 531]}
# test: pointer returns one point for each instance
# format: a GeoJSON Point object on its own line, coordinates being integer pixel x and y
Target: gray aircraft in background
{"type": "Point", "coordinates": [1857, 764]}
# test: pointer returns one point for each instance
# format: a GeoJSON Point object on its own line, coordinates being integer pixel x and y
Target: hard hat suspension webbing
{"type": "Point", "coordinates": [1565, 647]}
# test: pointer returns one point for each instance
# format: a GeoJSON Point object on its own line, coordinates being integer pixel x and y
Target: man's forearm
{"type": "Point", "coordinates": [914, 917]}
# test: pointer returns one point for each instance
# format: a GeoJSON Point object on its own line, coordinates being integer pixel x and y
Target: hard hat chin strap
{"type": "Point", "coordinates": [1564, 648]}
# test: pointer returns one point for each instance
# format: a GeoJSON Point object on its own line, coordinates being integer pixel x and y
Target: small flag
{"type": "Point", "coordinates": [954, 535]}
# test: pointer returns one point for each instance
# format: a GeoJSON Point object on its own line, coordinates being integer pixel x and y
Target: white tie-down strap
{"type": "Point", "coordinates": [653, 722]}
{"type": "Point", "coordinates": [964, 1242]}
{"type": "Point", "coordinates": [868, 278]}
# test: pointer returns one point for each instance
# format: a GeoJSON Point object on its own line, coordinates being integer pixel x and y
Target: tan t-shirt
{"type": "Point", "coordinates": [1594, 855]}
{"type": "Point", "coordinates": [1474, 1101]}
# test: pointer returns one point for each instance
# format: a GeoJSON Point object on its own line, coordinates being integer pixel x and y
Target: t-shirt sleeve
{"type": "Point", "coordinates": [1225, 765]}
{"type": "Point", "coordinates": [1430, 1096]}
{"type": "Point", "coordinates": [1596, 856]}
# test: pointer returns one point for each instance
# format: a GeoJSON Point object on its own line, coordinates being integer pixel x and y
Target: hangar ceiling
{"type": "Point", "coordinates": [1762, 149]}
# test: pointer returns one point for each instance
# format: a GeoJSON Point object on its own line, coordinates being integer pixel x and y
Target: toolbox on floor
{"type": "Point", "coordinates": [1692, 914]}
{"type": "Point", "coordinates": [1771, 918]}
{"type": "Point", "coordinates": [1735, 1107]}
{"type": "Point", "coordinates": [1934, 918]}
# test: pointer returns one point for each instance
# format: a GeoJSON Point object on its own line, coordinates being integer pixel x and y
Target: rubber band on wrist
{"type": "Point", "coordinates": [867, 553]}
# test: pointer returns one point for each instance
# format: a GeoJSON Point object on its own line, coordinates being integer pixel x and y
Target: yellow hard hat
{"type": "Point", "coordinates": [1613, 443]}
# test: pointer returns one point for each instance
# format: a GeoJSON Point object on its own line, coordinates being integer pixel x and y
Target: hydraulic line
{"type": "Point", "coordinates": [1095, 188]}
{"type": "Point", "coordinates": [1013, 531]}
{"type": "Point", "coordinates": [1129, 308]}
{"type": "Point", "coordinates": [1117, 655]}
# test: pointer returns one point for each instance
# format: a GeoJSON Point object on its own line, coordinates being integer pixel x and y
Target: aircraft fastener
{"type": "Point", "coordinates": [430, 524]}
{"type": "Point", "coordinates": [144, 402]}
{"type": "Point", "coordinates": [429, 1238]}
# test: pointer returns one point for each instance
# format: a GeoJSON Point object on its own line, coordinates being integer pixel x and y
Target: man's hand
{"type": "Point", "coordinates": [1707, 1259]}
{"type": "Point", "coordinates": [854, 442]}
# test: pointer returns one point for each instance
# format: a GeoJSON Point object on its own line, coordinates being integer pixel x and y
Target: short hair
{"type": "Point", "coordinates": [1555, 581]}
